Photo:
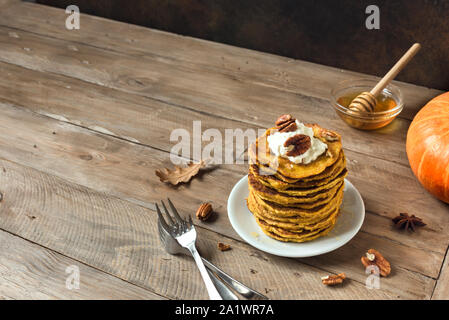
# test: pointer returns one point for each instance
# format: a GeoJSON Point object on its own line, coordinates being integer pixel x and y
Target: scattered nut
{"type": "Point", "coordinates": [223, 247]}
{"type": "Point", "coordinates": [204, 211]}
{"type": "Point", "coordinates": [333, 280]}
{"type": "Point", "coordinates": [298, 144]}
{"type": "Point", "coordinates": [373, 257]}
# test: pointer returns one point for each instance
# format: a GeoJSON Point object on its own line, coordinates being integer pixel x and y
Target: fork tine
{"type": "Point", "coordinates": [190, 220]}
{"type": "Point", "coordinates": [175, 212]}
{"type": "Point", "coordinates": [161, 218]}
{"type": "Point", "coordinates": [169, 218]}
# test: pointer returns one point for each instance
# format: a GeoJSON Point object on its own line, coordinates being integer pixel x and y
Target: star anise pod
{"type": "Point", "coordinates": [404, 221]}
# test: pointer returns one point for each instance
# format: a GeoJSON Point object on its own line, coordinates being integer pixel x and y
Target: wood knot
{"type": "Point", "coordinates": [86, 157]}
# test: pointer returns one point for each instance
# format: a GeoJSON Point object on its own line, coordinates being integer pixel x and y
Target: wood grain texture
{"type": "Point", "coordinates": [29, 271]}
{"type": "Point", "coordinates": [183, 84]}
{"type": "Point", "coordinates": [133, 118]}
{"type": "Point", "coordinates": [326, 32]}
{"type": "Point", "coordinates": [118, 168]}
{"type": "Point", "coordinates": [74, 220]}
{"type": "Point", "coordinates": [91, 113]}
{"type": "Point", "coordinates": [441, 291]}
{"type": "Point", "coordinates": [248, 66]}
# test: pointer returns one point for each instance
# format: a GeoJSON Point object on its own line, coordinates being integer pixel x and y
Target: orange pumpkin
{"type": "Point", "coordinates": [428, 146]}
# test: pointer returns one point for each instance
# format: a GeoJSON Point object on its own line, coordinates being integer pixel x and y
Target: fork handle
{"type": "Point", "coordinates": [234, 284]}
{"type": "Point", "coordinates": [211, 289]}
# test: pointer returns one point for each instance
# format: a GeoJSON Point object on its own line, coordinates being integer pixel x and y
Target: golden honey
{"type": "Point", "coordinates": [368, 121]}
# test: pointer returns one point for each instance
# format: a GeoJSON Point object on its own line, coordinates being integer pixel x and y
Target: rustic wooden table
{"type": "Point", "coordinates": [86, 117]}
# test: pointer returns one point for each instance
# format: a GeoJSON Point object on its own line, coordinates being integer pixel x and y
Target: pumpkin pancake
{"type": "Point", "coordinates": [325, 222]}
{"type": "Point", "coordinates": [289, 214]}
{"type": "Point", "coordinates": [261, 153]}
{"type": "Point", "coordinates": [284, 213]}
{"type": "Point", "coordinates": [266, 193]}
{"type": "Point", "coordinates": [278, 182]}
{"type": "Point", "coordinates": [296, 187]}
{"type": "Point", "coordinates": [292, 189]}
{"type": "Point", "coordinates": [287, 236]}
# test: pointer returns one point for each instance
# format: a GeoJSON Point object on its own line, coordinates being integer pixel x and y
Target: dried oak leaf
{"type": "Point", "coordinates": [180, 174]}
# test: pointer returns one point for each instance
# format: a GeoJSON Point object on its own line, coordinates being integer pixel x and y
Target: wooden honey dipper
{"type": "Point", "coordinates": [366, 101]}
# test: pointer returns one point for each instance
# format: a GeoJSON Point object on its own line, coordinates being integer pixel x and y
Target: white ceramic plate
{"type": "Point", "coordinates": [348, 224]}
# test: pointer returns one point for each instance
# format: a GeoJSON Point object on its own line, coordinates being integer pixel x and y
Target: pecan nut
{"type": "Point", "coordinates": [297, 145]}
{"type": "Point", "coordinates": [283, 119]}
{"type": "Point", "coordinates": [223, 247]}
{"type": "Point", "coordinates": [291, 126]}
{"type": "Point", "coordinates": [204, 211]}
{"type": "Point", "coordinates": [333, 280]}
{"type": "Point", "coordinates": [330, 136]}
{"type": "Point", "coordinates": [286, 123]}
{"type": "Point", "coordinates": [374, 258]}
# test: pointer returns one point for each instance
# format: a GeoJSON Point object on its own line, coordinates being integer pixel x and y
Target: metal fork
{"type": "Point", "coordinates": [172, 247]}
{"type": "Point", "coordinates": [184, 232]}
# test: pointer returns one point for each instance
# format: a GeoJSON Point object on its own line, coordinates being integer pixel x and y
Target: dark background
{"type": "Point", "coordinates": [327, 32]}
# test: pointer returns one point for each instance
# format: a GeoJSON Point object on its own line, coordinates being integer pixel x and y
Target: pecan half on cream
{"type": "Point", "coordinates": [297, 145]}
{"type": "Point", "coordinates": [204, 211]}
{"type": "Point", "coordinates": [286, 123]}
{"type": "Point", "coordinates": [374, 258]}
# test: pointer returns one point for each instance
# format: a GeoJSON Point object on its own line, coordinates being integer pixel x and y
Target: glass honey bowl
{"type": "Point", "coordinates": [389, 104]}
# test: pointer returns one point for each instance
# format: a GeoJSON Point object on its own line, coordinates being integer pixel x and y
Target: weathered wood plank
{"type": "Point", "coordinates": [441, 291]}
{"type": "Point", "coordinates": [126, 170]}
{"type": "Point", "coordinates": [29, 271]}
{"type": "Point", "coordinates": [248, 66]}
{"type": "Point", "coordinates": [120, 238]}
{"type": "Point", "coordinates": [6, 3]}
{"type": "Point", "coordinates": [133, 118]}
{"type": "Point", "coordinates": [182, 85]}
{"type": "Point", "coordinates": [237, 91]}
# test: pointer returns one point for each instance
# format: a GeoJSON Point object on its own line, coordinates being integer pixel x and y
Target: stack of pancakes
{"type": "Point", "coordinates": [296, 202]}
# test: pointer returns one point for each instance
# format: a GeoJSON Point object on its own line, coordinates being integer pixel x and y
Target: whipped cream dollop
{"type": "Point", "coordinates": [276, 143]}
